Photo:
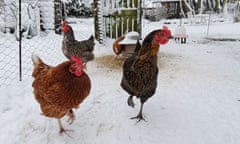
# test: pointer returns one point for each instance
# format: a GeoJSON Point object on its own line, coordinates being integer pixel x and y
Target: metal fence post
{"type": "Point", "coordinates": [20, 42]}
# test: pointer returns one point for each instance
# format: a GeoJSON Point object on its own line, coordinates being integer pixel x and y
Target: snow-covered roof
{"type": "Point", "coordinates": [169, 0]}
{"type": "Point", "coordinates": [130, 38]}
{"type": "Point", "coordinates": [151, 3]}
{"type": "Point", "coordinates": [86, 2]}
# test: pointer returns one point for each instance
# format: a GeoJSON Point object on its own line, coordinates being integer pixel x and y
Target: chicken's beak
{"type": "Point", "coordinates": [170, 37]}
{"type": "Point", "coordinates": [85, 66]}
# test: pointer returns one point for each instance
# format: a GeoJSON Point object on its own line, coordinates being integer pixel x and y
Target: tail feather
{"type": "Point", "coordinates": [35, 59]}
{"type": "Point", "coordinates": [89, 44]}
{"type": "Point", "coordinates": [91, 37]}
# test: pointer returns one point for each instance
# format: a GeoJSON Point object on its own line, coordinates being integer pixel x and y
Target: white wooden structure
{"type": "Point", "coordinates": [114, 18]}
{"type": "Point", "coordinates": [180, 35]}
{"type": "Point", "coordinates": [129, 43]}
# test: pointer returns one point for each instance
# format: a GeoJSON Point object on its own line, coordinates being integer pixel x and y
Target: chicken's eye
{"type": "Point", "coordinates": [161, 34]}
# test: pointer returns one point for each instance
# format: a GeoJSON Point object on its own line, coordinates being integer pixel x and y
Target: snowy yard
{"type": "Point", "coordinates": [196, 100]}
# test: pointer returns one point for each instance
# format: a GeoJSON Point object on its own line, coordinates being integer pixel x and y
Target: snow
{"type": "Point", "coordinates": [130, 38]}
{"type": "Point", "coordinates": [196, 101]}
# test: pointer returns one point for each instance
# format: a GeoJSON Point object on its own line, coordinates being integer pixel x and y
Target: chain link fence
{"type": "Point", "coordinates": [31, 27]}
{"type": "Point", "coordinates": [9, 53]}
{"type": "Point", "coordinates": [15, 56]}
{"type": "Point", "coordinates": [17, 46]}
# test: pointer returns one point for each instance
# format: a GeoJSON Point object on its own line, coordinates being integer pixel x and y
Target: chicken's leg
{"type": "Point", "coordinates": [60, 126]}
{"type": "Point", "coordinates": [62, 130]}
{"type": "Point", "coordinates": [130, 101]}
{"type": "Point", "coordinates": [139, 116]}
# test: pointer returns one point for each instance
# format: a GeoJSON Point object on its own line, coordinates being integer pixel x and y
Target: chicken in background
{"type": "Point", "coordinates": [140, 71]}
{"type": "Point", "coordinates": [72, 47]}
{"type": "Point", "coordinates": [61, 88]}
{"type": "Point", "coordinates": [126, 44]}
{"type": "Point", "coordinates": [117, 48]}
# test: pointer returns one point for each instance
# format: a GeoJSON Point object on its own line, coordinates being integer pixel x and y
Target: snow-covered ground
{"type": "Point", "coordinates": [196, 100]}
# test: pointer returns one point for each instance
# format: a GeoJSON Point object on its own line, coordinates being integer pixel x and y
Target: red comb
{"type": "Point", "coordinates": [166, 31]}
{"type": "Point", "coordinates": [65, 27]}
{"type": "Point", "coordinates": [64, 23]}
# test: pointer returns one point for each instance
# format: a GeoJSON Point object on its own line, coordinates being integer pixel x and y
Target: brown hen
{"type": "Point", "coordinates": [59, 89]}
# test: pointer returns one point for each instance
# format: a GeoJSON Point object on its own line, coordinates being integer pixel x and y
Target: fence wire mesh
{"type": "Point", "coordinates": [16, 66]}
{"type": "Point", "coordinates": [9, 67]}
{"type": "Point", "coordinates": [48, 47]}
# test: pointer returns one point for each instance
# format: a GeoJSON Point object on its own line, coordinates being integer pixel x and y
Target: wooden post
{"type": "Point", "coordinates": [58, 16]}
{"type": "Point", "coordinates": [99, 21]}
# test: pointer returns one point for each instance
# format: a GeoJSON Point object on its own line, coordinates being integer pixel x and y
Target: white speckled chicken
{"type": "Point", "coordinates": [72, 47]}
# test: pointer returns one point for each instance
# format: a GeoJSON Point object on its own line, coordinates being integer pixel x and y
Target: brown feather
{"type": "Point", "coordinates": [117, 48]}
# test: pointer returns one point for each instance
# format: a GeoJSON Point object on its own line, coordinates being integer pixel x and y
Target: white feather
{"type": "Point", "coordinates": [35, 59]}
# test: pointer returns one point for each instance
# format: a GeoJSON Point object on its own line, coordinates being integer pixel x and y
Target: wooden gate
{"type": "Point", "coordinates": [114, 18]}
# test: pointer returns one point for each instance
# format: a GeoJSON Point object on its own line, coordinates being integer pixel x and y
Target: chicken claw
{"type": "Point", "coordinates": [62, 130]}
{"type": "Point", "coordinates": [139, 117]}
{"type": "Point", "coordinates": [71, 116]}
{"type": "Point", "coordinates": [130, 101]}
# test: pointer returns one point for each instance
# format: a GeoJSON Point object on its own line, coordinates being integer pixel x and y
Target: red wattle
{"type": "Point", "coordinates": [163, 40]}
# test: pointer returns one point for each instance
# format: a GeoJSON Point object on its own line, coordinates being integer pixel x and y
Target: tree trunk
{"type": "Point", "coordinates": [212, 5]}
{"type": "Point", "coordinates": [199, 6]}
{"type": "Point", "coordinates": [216, 8]}
{"type": "Point", "coordinates": [194, 6]}
{"type": "Point", "coordinates": [95, 19]}
{"type": "Point", "coordinates": [224, 4]}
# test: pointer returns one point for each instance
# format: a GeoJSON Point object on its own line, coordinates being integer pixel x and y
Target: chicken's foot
{"type": "Point", "coordinates": [130, 101]}
{"type": "Point", "coordinates": [140, 115]}
{"type": "Point", "coordinates": [62, 130]}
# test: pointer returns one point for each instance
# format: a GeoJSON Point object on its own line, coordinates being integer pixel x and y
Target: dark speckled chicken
{"type": "Point", "coordinates": [140, 71]}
